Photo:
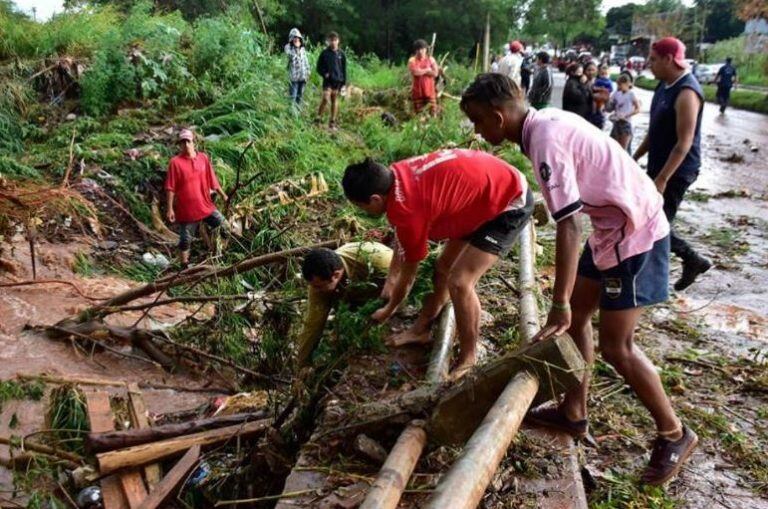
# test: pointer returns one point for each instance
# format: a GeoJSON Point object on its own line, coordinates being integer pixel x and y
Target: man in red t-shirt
{"type": "Point", "coordinates": [188, 184]}
{"type": "Point", "coordinates": [475, 201]}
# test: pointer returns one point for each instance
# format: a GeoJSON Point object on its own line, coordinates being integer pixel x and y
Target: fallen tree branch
{"type": "Point", "coordinates": [26, 445]}
{"type": "Point", "coordinates": [100, 344]}
{"type": "Point", "coordinates": [194, 275]}
{"type": "Point", "coordinates": [183, 299]}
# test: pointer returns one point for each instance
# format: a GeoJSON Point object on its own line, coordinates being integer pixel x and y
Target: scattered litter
{"type": "Point", "coordinates": [240, 403]}
{"type": "Point", "coordinates": [154, 260]}
{"type": "Point", "coordinates": [733, 158]}
{"type": "Point", "coordinates": [90, 498]}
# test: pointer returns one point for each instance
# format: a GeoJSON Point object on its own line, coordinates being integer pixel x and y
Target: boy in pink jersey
{"type": "Point", "coordinates": [624, 265]}
{"type": "Point", "coordinates": [475, 201]}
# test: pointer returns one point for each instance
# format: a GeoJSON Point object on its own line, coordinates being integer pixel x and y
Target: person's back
{"type": "Point", "coordinates": [541, 87]}
{"type": "Point", "coordinates": [448, 194]}
{"type": "Point", "coordinates": [622, 202]}
{"type": "Point", "coordinates": [577, 97]}
{"type": "Point", "coordinates": [662, 129]}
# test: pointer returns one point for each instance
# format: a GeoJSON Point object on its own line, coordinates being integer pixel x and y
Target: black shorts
{"type": "Point", "coordinates": [329, 84]}
{"type": "Point", "coordinates": [498, 235]}
{"type": "Point", "coordinates": [621, 127]}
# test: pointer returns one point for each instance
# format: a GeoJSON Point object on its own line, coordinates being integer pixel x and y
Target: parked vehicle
{"type": "Point", "coordinates": [638, 63]}
{"type": "Point", "coordinates": [706, 73]}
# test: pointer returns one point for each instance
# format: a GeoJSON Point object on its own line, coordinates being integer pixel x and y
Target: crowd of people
{"type": "Point", "coordinates": [476, 205]}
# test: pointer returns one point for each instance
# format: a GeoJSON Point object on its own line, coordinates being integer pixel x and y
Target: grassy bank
{"type": "Point", "coordinates": [750, 100]}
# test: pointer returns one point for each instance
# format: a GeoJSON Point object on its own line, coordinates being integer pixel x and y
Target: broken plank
{"type": "Point", "coordinates": [140, 418]}
{"type": "Point", "coordinates": [100, 419]}
{"type": "Point", "coordinates": [171, 481]}
{"type": "Point", "coordinates": [155, 451]}
{"type": "Point", "coordinates": [133, 487]}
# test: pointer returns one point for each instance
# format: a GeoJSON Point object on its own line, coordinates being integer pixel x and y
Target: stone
{"type": "Point", "coordinates": [370, 449]}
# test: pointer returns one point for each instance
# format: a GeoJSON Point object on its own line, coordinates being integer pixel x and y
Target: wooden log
{"type": "Point", "coordinates": [556, 362]}
{"type": "Point", "coordinates": [170, 482]}
{"type": "Point", "coordinates": [528, 309]}
{"type": "Point", "coordinates": [140, 420]}
{"type": "Point", "coordinates": [100, 419]}
{"type": "Point", "coordinates": [155, 451]}
{"type": "Point", "coordinates": [464, 484]}
{"type": "Point", "coordinates": [397, 469]}
{"type": "Point", "coordinates": [393, 476]}
{"type": "Point", "coordinates": [111, 440]}
{"type": "Point", "coordinates": [133, 487]}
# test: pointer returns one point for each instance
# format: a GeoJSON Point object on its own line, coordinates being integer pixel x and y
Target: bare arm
{"type": "Point", "coordinates": [636, 104]}
{"type": "Point", "coordinates": [400, 289]}
{"type": "Point", "coordinates": [170, 195]}
{"type": "Point", "coordinates": [393, 273]}
{"type": "Point", "coordinates": [567, 245]}
{"type": "Point", "coordinates": [642, 149]}
{"type": "Point", "coordinates": [687, 109]}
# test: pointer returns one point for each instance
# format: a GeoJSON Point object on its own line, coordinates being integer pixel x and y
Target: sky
{"type": "Point", "coordinates": [45, 8]}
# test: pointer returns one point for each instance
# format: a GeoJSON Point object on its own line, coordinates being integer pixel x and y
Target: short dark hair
{"type": "Point", "coordinates": [363, 180]}
{"type": "Point", "coordinates": [419, 44]}
{"type": "Point", "coordinates": [332, 35]}
{"type": "Point", "coordinates": [571, 69]}
{"type": "Point", "coordinates": [321, 262]}
{"type": "Point", "coordinates": [625, 78]}
{"type": "Point", "coordinates": [728, 60]}
{"type": "Point", "coordinates": [543, 56]}
{"type": "Point", "coordinates": [492, 89]}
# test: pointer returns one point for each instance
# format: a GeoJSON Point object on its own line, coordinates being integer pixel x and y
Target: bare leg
{"type": "Point", "coordinates": [434, 302]}
{"type": "Point", "coordinates": [468, 269]}
{"type": "Point", "coordinates": [617, 330]}
{"type": "Point", "coordinates": [323, 103]}
{"type": "Point", "coordinates": [584, 302]}
{"type": "Point", "coordinates": [624, 140]}
{"type": "Point", "coordinates": [184, 257]}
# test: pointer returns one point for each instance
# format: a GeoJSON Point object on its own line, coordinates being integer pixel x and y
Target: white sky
{"type": "Point", "coordinates": [45, 8]}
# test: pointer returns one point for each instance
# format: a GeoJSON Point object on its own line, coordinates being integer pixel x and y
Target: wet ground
{"type": "Point", "coordinates": [719, 321]}
{"type": "Point", "coordinates": [30, 353]}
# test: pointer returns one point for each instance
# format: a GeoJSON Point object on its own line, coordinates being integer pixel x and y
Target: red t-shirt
{"type": "Point", "coordinates": [423, 86]}
{"type": "Point", "coordinates": [448, 195]}
{"type": "Point", "coordinates": [192, 181]}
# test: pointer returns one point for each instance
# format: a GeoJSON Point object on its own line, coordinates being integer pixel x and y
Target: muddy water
{"type": "Point", "coordinates": [29, 353]}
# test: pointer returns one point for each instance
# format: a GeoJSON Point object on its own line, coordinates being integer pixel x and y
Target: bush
{"type": "Point", "coordinates": [752, 68]}
{"type": "Point", "coordinates": [751, 100]}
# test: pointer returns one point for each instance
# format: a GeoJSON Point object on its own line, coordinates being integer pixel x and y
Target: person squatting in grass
{"type": "Point", "coordinates": [188, 184]}
{"type": "Point", "coordinates": [424, 70]}
{"type": "Point", "coordinates": [623, 105]}
{"type": "Point", "coordinates": [625, 263]}
{"type": "Point", "coordinates": [673, 143]}
{"type": "Point", "coordinates": [298, 65]}
{"type": "Point", "coordinates": [475, 201]}
{"type": "Point", "coordinates": [332, 66]}
{"type": "Point", "coordinates": [335, 276]}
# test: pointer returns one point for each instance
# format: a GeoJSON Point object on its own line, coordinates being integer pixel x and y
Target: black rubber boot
{"type": "Point", "coordinates": [692, 268]}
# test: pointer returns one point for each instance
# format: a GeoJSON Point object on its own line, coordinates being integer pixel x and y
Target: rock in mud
{"type": "Point", "coordinates": [370, 449]}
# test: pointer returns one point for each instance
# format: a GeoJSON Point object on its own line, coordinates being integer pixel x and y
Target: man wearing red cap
{"type": "Point", "coordinates": [188, 185]}
{"type": "Point", "coordinates": [673, 142]}
{"type": "Point", "coordinates": [510, 65]}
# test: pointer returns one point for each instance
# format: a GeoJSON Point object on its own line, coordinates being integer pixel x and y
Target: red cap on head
{"type": "Point", "coordinates": [515, 46]}
{"type": "Point", "coordinates": [671, 46]}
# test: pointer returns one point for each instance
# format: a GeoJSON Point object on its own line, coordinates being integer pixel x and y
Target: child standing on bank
{"type": "Point", "coordinates": [424, 70]}
{"type": "Point", "coordinates": [332, 66]}
{"type": "Point", "coordinates": [298, 65]}
{"type": "Point", "coordinates": [624, 105]}
{"type": "Point", "coordinates": [623, 268]}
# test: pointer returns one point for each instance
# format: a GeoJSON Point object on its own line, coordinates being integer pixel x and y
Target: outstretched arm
{"type": "Point", "coordinates": [401, 286]}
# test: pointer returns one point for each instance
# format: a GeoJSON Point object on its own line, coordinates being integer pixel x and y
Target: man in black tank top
{"type": "Point", "coordinates": [673, 142]}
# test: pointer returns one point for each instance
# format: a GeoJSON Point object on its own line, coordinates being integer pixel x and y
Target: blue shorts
{"type": "Point", "coordinates": [638, 281]}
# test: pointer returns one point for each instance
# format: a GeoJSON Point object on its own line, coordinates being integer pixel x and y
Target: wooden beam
{"type": "Point", "coordinates": [155, 451]}
{"type": "Point", "coordinates": [556, 362]}
{"type": "Point", "coordinates": [100, 419]}
{"type": "Point", "coordinates": [464, 484]}
{"type": "Point", "coordinates": [171, 481]}
{"type": "Point", "coordinates": [140, 418]}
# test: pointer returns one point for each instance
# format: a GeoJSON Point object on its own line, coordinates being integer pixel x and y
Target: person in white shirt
{"type": "Point", "coordinates": [623, 105]}
{"type": "Point", "coordinates": [510, 65]}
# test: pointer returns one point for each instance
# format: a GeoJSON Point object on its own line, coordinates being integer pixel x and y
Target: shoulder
{"type": "Point", "coordinates": [411, 60]}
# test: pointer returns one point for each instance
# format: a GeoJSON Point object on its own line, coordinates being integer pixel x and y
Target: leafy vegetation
{"type": "Point", "coordinates": [751, 100]}
{"type": "Point", "coordinates": [752, 67]}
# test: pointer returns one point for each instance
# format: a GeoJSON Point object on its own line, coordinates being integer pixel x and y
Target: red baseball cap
{"type": "Point", "coordinates": [515, 46]}
{"type": "Point", "coordinates": [671, 46]}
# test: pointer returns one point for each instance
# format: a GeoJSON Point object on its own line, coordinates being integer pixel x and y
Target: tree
{"type": "Point", "coordinates": [752, 9]}
{"type": "Point", "coordinates": [721, 20]}
{"type": "Point", "coordinates": [562, 20]}
{"type": "Point", "coordinates": [618, 20]}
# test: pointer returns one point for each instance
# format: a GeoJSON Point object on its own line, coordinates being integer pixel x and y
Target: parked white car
{"type": "Point", "coordinates": [706, 73]}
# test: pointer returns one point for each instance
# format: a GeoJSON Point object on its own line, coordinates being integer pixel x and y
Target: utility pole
{"type": "Point", "coordinates": [487, 43]}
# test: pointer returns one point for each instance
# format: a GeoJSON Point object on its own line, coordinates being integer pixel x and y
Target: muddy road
{"type": "Point", "coordinates": [701, 337]}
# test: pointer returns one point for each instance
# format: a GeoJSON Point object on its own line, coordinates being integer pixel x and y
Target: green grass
{"type": "Point", "coordinates": [13, 390]}
{"type": "Point", "coordinates": [751, 100]}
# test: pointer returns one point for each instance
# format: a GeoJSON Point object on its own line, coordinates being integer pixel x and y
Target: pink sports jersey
{"type": "Point", "coordinates": [580, 168]}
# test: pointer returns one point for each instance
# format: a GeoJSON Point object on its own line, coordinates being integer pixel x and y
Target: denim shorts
{"type": "Point", "coordinates": [186, 230]}
{"type": "Point", "coordinates": [638, 281]}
